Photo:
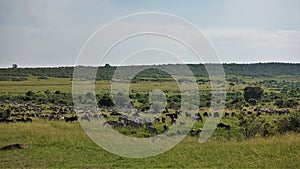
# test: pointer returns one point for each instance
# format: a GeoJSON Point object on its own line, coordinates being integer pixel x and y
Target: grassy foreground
{"type": "Point", "coordinates": [65, 145]}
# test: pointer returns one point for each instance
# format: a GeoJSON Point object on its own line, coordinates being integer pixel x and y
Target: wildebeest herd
{"type": "Point", "coordinates": [27, 112]}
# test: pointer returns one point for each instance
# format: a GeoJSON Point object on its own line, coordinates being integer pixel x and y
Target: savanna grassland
{"type": "Point", "coordinates": [260, 124]}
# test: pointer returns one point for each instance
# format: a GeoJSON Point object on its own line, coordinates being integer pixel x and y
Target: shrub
{"type": "Point", "coordinates": [289, 123]}
{"type": "Point", "coordinates": [250, 125]}
{"type": "Point", "coordinates": [253, 93]}
{"type": "Point", "coordinates": [290, 103]}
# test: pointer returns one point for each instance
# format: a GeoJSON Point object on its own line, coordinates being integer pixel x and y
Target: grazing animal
{"type": "Point", "coordinates": [222, 125]}
{"type": "Point", "coordinates": [173, 121]}
{"type": "Point", "coordinates": [166, 128]}
{"type": "Point", "coordinates": [115, 113]}
{"type": "Point", "coordinates": [226, 114]}
{"type": "Point", "coordinates": [233, 114]}
{"type": "Point", "coordinates": [28, 120]}
{"type": "Point", "coordinates": [104, 115]}
{"type": "Point", "coordinates": [133, 124]}
{"type": "Point", "coordinates": [198, 118]}
{"type": "Point", "coordinates": [7, 120]}
{"type": "Point", "coordinates": [147, 124]}
{"type": "Point", "coordinates": [71, 119]}
{"type": "Point", "coordinates": [163, 119]}
{"type": "Point", "coordinates": [195, 132]}
{"type": "Point", "coordinates": [113, 123]}
{"type": "Point", "coordinates": [258, 114]}
{"type": "Point", "coordinates": [172, 116]}
{"type": "Point", "coordinates": [151, 129]}
{"type": "Point", "coordinates": [205, 114]}
{"type": "Point", "coordinates": [22, 119]}
{"type": "Point", "coordinates": [14, 146]}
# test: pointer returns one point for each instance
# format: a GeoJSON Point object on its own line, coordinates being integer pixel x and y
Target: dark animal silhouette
{"type": "Point", "coordinates": [222, 125]}
{"type": "Point", "coordinates": [226, 114]}
{"type": "Point", "coordinates": [14, 146]}
{"type": "Point", "coordinates": [71, 119]}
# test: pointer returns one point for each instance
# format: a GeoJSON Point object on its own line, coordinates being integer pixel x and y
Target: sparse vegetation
{"type": "Point", "coordinates": [261, 119]}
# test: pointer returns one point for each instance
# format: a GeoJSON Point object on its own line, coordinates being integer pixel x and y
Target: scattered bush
{"type": "Point", "coordinates": [289, 123]}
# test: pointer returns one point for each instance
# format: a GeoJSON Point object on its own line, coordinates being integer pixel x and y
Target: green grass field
{"type": "Point", "coordinates": [65, 145]}
{"type": "Point", "coordinates": [57, 144]}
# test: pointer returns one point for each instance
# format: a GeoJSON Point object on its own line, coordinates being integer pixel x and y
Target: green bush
{"type": "Point", "coordinates": [250, 125]}
{"type": "Point", "coordinates": [289, 123]}
{"type": "Point", "coordinates": [286, 103]}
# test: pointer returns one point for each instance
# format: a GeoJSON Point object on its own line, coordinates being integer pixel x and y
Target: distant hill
{"type": "Point", "coordinates": [106, 72]}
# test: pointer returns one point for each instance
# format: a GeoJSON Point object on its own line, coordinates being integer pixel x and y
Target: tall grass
{"type": "Point", "coordinates": [65, 145]}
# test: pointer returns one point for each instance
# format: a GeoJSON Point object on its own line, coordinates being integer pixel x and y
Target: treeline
{"type": "Point", "coordinates": [107, 72]}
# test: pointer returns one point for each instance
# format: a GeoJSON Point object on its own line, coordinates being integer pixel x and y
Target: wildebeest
{"type": "Point", "coordinates": [172, 116]}
{"type": "Point", "coordinates": [71, 119]}
{"type": "Point", "coordinates": [104, 115]}
{"type": "Point", "coordinates": [163, 119]}
{"type": "Point", "coordinates": [21, 119]}
{"type": "Point", "coordinates": [166, 128]}
{"type": "Point", "coordinates": [222, 125]}
{"type": "Point", "coordinates": [7, 120]}
{"type": "Point", "coordinates": [14, 146]}
{"type": "Point", "coordinates": [195, 132]}
{"type": "Point", "coordinates": [197, 117]}
{"type": "Point", "coordinates": [205, 114]}
{"type": "Point", "coordinates": [258, 114]}
{"type": "Point", "coordinates": [233, 114]}
{"type": "Point", "coordinates": [28, 119]}
{"type": "Point", "coordinates": [115, 113]}
{"type": "Point", "coordinates": [132, 123]}
{"type": "Point", "coordinates": [113, 123]}
{"type": "Point", "coordinates": [151, 129]}
{"type": "Point", "coordinates": [173, 121]}
{"type": "Point", "coordinates": [226, 114]}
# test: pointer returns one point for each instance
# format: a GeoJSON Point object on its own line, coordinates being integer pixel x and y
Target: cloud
{"type": "Point", "coordinates": [256, 44]}
{"type": "Point", "coordinates": [52, 32]}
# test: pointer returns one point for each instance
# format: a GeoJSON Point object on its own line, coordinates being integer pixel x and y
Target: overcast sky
{"type": "Point", "coordinates": [52, 32]}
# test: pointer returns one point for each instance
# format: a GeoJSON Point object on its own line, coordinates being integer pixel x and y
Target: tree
{"type": "Point", "coordinates": [29, 93]}
{"type": "Point", "coordinates": [14, 66]}
{"type": "Point", "coordinates": [106, 101]}
{"type": "Point", "coordinates": [253, 93]}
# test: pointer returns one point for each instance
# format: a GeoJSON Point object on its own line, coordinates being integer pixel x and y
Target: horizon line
{"type": "Point", "coordinates": [224, 63]}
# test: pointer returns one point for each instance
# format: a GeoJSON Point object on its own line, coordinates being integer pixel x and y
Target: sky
{"type": "Point", "coordinates": [36, 33]}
